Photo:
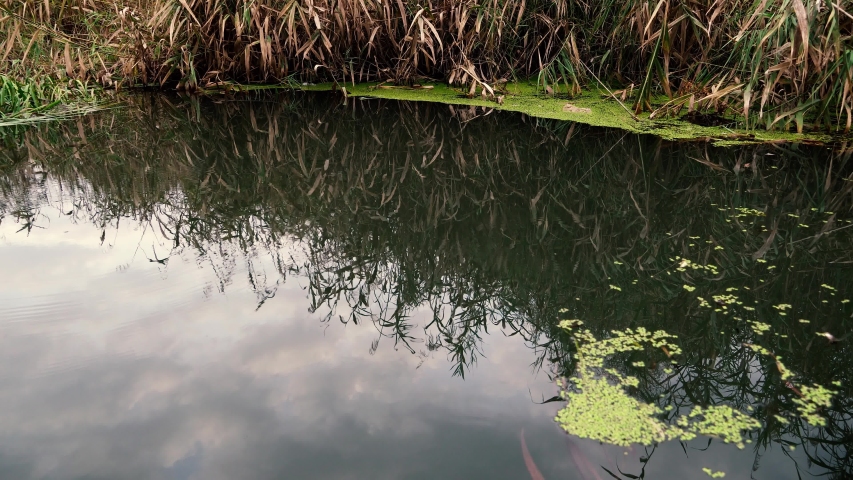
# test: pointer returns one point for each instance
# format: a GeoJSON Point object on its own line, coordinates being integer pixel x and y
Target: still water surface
{"type": "Point", "coordinates": [291, 287]}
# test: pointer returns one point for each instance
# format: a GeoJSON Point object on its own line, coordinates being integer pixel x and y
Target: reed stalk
{"type": "Point", "coordinates": [771, 63]}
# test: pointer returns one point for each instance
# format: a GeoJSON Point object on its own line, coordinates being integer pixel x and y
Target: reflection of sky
{"type": "Point", "coordinates": [112, 366]}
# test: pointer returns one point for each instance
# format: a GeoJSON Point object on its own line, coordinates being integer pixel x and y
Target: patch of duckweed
{"type": "Point", "coordinates": [727, 299]}
{"type": "Point", "coordinates": [813, 400]}
{"type": "Point", "coordinates": [759, 327]}
{"type": "Point", "coordinates": [684, 264]}
{"type": "Point", "coordinates": [719, 421]}
{"type": "Point", "coordinates": [603, 412]}
{"type": "Point", "coordinates": [599, 408]}
{"type": "Point", "coordinates": [713, 474]}
{"type": "Point", "coordinates": [748, 212]}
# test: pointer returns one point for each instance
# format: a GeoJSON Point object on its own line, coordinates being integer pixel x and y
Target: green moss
{"type": "Point", "coordinates": [523, 97]}
{"type": "Point", "coordinates": [604, 112]}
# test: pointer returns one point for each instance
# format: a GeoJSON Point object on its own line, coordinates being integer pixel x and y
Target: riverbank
{"type": "Point", "coordinates": [590, 107]}
{"type": "Point", "coordinates": [594, 107]}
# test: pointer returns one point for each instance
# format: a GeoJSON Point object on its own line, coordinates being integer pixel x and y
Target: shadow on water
{"type": "Point", "coordinates": [498, 222]}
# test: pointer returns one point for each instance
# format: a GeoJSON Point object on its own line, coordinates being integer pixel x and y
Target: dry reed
{"type": "Point", "coordinates": [775, 63]}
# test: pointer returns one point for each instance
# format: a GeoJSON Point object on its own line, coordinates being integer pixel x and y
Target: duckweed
{"type": "Point", "coordinates": [759, 327]}
{"type": "Point", "coordinates": [714, 474]}
{"type": "Point", "coordinates": [599, 408]}
{"type": "Point", "coordinates": [813, 399]}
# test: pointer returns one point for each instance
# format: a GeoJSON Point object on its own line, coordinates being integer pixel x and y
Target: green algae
{"type": "Point", "coordinates": [603, 111]}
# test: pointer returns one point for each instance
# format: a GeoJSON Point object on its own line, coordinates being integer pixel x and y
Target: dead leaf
{"type": "Point", "coordinates": [573, 109]}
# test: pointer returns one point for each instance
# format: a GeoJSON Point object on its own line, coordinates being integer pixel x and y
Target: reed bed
{"type": "Point", "coordinates": [773, 63]}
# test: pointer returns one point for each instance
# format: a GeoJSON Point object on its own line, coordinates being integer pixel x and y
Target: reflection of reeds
{"type": "Point", "coordinates": [776, 62]}
{"type": "Point", "coordinates": [496, 222]}
{"type": "Point", "coordinates": [418, 173]}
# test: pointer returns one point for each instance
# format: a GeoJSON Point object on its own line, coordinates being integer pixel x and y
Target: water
{"type": "Point", "coordinates": [291, 287]}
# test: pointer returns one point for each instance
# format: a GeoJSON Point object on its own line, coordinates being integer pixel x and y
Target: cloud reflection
{"type": "Point", "coordinates": [133, 374]}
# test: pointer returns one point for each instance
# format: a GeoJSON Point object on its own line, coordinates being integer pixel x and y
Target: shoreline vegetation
{"type": "Point", "coordinates": [730, 70]}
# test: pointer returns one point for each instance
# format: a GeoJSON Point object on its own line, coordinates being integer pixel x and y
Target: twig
{"type": "Point", "coordinates": [841, 9]}
{"type": "Point", "coordinates": [821, 234]}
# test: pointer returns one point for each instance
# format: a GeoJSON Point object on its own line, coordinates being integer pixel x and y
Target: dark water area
{"type": "Point", "coordinates": [288, 286]}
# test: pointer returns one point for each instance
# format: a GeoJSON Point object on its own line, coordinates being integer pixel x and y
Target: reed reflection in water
{"type": "Point", "coordinates": [425, 228]}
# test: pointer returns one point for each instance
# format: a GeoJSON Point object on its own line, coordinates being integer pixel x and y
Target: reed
{"type": "Point", "coordinates": [773, 63]}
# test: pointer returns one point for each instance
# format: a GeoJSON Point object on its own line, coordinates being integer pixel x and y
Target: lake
{"type": "Point", "coordinates": [302, 286]}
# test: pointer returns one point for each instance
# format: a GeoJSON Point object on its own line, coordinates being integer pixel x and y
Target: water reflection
{"type": "Point", "coordinates": [432, 225]}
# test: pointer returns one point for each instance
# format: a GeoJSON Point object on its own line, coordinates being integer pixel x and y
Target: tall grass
{"type": "Point", "coordinates": [33, 100]}
{"type": "Point", "coordinates": [775, 63]}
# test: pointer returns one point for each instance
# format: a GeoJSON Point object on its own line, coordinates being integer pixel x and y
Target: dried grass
{"type": "Point", "coordinates": [775, 63]}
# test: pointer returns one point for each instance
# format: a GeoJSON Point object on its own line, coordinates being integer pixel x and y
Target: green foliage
{"type": "Point", "coordinates": [35, 100]}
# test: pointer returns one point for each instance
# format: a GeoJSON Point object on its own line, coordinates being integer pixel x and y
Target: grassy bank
{"type": "Point", "coordinates": [784, 65]}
